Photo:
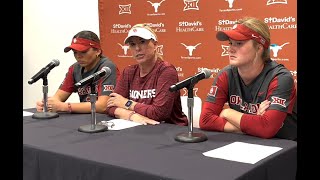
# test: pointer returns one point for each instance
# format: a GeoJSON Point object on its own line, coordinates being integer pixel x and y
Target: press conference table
{"type": "Point", "coordinates": [53, 149]}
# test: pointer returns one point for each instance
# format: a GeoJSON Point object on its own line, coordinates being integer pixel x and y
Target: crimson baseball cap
{"type": "Point", "coordinates": [140, 32]}
{"type": "Point", "coordinates": [81, 44]}
{"type": "Point", "coordinates": [240, 32]}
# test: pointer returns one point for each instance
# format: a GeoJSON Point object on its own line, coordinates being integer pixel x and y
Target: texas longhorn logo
{"type": "Point", "coordinates": [190, 48]}
{"type": "Point", "coordinates": [275, 48]}
{"type": "Point", "coordinates": [125, 48]}
{"type": "Point", "coordinates": [155, 5]}
{"type": "Point", "coordinates": [230, 3]}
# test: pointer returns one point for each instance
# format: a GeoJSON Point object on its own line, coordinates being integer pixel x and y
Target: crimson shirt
{"type": "Point", "coordinates": [151, 92]}
{"type": "Point", "coordinates": [103, 86]}
{"type": "Point", "coordinates": [274, 83]}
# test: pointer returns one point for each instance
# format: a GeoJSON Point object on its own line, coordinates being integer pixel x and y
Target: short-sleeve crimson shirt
{"type": "Point", "coordinates": [104, 86]}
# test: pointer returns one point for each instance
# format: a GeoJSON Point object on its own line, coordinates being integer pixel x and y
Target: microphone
{"type": "Point", "coordinates": [204, 74]}
{"type": "Point", "coordinates": [44, 71]}
{"type": "Point", "coordinates": [105, 71]}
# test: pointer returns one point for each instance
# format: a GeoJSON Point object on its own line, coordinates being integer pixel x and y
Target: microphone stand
{"type": "Point", "coordinates": [93, 127]}
{"type": "Point", "coordinates": [45, 114]}
{"type": "Point", "coordinates": [190, 136]}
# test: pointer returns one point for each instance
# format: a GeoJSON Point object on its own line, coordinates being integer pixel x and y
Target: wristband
{"type": "Point", "coordinates": [69, 108]}
{"type": "Point", "coordinates": [132, 113]}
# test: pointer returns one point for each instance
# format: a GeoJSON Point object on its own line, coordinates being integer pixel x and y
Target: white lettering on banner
{"type": "Point", "coordinates": [279, 59]}
{"type": "Point", "coordinates": [219, 28]}
{"type": "Point", "coordinates": [283, 19]}
{"type": "Point", "coordinates": [157, 30]}
{"type": "Point", "coordinates": [185, 26]}
{"type": "Point", "coordinates": [116, 31]}
{"type": "Point", "coordinates": [157, 14]}
{"type": "Point", "coordinates": [226, 22]}
{"type": "Point", "coordinates": [283, 26]}
{"type": "Point", "coordinates": [230, 10]}
{"type": "Point", "coordinates": [281, 22]}
{"type": "Point", "coordinates": [191, 58]}
{"type": "Point", "coordinates": [294, 73]}
{"type": "Point", "coordinates": [189, 29]}
{"type": "Point", "coordinates": [195, 23]}
{"type": "Point", "coordinates": [180, 73]}
{"type": "Point", "coordinates": [143, 94]}
{"type": "Point", "coordinates": [121, 26]}
{"type": "Point", "coordinates": [156, 25]}
{"type": "Point", "coordinates": [179, 69]}
{"type": "Point", "coordinates": [214, 72]}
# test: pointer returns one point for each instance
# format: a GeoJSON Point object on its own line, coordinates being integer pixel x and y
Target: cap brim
{"type": "Point", "coordinates": [77, 47]}
{"type": "Point", "coordinates": [226, 35]}
{"type": "Point", "coordinates": [143, 37]}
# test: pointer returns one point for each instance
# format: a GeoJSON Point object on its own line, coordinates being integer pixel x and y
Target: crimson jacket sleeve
{"type": "Point", "coordinates": [68, 82]}
{"type": "Point", "coordinates": [209, 118]}
{"type": "Point", "coordinates": [282, 94]}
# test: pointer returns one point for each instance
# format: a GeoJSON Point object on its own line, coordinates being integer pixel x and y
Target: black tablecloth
{"type": "Point", "coordinates": [55, 149]}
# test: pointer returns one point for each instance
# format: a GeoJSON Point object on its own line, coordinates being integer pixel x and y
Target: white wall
{"type": "Point", "coordinates": [48, 27]}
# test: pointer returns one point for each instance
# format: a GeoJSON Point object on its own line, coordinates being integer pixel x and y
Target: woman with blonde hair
{"type": "Point", "coordinates": [260, 92]}
{"type": "Point", "coordinates": [142, 92]}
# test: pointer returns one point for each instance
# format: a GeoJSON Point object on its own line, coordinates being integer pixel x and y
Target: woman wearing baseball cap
{"type": "Point", "coordinates": [261, 93]}
{"type": "Point", "coordinates": [87, 51]}
{"type": "Point", "coordinates": [142, 93]}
